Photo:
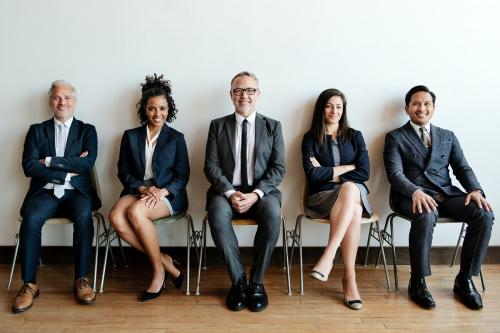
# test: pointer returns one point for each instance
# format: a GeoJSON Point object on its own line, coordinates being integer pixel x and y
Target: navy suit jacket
{"type": "Point", "coordinates": [170, 163]}
{"type": "Point", "coordinates": [351, 152]}
{"type": "Point", "coordinates": [40, 143]}
{"type": "Point", "coordinates": [220, 155]}
{"type": "Point", "coordinates": [410, 166]}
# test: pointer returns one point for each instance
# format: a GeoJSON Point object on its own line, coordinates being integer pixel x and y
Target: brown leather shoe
{"type": "Point", "coordinates": [83, 291]}
{"type": "Point", "coordinates": [24, 298]}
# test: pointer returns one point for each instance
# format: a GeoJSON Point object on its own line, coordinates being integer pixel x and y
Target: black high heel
{"type": "Point", "coordinates": [178, 281]}
{"type": "Point", "coordinates": [146, 295]}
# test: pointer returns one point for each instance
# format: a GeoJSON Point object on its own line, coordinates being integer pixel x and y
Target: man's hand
{"type": "Point", "coordinates": [422, 200]}
{"type": "Point", "coordinates": [84, 154]}
{"type": "Point", "coordinates": [480, 201]}
{"type": "Point", "coordinates": [242, 202]}
{"type": "Point", "coordinates": [42, 161]}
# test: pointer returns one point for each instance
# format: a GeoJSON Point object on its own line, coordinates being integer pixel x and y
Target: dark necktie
{"type": "Point", "coordinates": [244, 173]}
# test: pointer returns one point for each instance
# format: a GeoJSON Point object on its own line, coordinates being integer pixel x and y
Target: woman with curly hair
{"type": "Point", "coordinates": [336, 164]}
{"type": "Point", "coordinates": [154, 169]}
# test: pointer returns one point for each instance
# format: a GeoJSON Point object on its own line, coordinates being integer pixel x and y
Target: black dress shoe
{"type": "Point", "coordinates": [236, 300]}
{"type": "Point", "coordinates": [417, 289]}
{"type": "Point", "coordinates": [257, 297]}
{"type": "Point", "coordinates": [466, 291]}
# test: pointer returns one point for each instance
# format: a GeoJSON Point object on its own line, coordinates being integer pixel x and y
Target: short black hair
{"type": "Point", "coordinates": [417, 89]}
{"type": "Point", "coordinates": [156, 86]}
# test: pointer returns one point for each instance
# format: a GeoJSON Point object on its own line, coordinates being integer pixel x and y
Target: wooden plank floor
{"type": "Point", "coordinates": [319, 310]}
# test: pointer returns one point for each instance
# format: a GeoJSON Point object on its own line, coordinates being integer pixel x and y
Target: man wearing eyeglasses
{"type": "Point", "coordinates": [245, 163]}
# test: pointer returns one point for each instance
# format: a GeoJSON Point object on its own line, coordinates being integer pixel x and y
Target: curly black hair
{"type": "Point", "coordinates": [156, 86]}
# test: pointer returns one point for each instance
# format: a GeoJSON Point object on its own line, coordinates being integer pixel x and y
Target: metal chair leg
{"type": "Point", "coordinates": [202, 249]}
{"type": "Point", "coordinates": [368, 244]}
{"type": "Point", "coordinates": [381, 242]}
{"type": "Point", "coordinates": [96, 259]}
{"type": "Point", "coordinates": [189, 221]}
{"type": "Point", "coordinates": [106, 251]}
{"type": "Point", "coordinates": [300, 258]}
{"type": "Point", "coordinates": [460, 236]}
{"type": "Point", "coordinates": [482, 280]}
{"type": "Point", "coordinates": [13, 263]}
{"type": "Point", "coordinates": [394, 262]}
{"type": "Point", "coordinates": [285, 252]}
{"type": "Point", "coordinates": [125, 264]}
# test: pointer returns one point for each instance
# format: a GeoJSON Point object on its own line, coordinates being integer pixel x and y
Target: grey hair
{"type": "Point", "coordinates": [245, 73]}
{"type": "Point", "coordinates": [61, 83]}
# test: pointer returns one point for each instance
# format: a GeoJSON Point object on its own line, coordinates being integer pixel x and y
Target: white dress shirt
{"type": "Point", "coordinates": [65, 126]}
{"type": "Point", "coordinates": [250, 152]}
{"type": "Point", "coordinates": [150, 148]}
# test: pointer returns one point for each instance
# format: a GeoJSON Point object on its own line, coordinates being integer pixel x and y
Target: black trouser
{"type": "Point", "coordinates": [74, 206]}
{"type": "Point", "coordinates": [477, 236]}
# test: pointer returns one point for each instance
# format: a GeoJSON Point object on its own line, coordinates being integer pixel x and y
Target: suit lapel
{"type": "Point", "coordinates": [410, 134]}
{"type": "Point", "coordinates": [260, 125]}
{"type": "Point", "coordinates": [230, 125]}
{"type": "Point", "coordinates": [141, 143]}
{"type": "Point", "coordinates": [50, 132]}
{"type": "Point", "coordinates": [435, 141]}
{"type": "Point", "coordinates": [162, 139]}
{"type": "Point", "coordinates": [73, 130]}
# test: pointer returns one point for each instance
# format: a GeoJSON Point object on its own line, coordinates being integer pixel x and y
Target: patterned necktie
{"type": "Point", "coordinates": [60, 145]}
{"type": "Point", "coordinates": [244, 172]}
{"type": "Point", "coordinates": [425, 138]}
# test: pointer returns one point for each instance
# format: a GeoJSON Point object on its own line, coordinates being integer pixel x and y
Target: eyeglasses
{"type": "Point", "coordinates": [240, 91]}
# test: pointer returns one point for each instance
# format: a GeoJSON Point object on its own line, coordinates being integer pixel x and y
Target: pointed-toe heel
{"type": "Point", "coordinates": [147, 296]}
{"type": "Point", "coordinates": [319, 276]}
{"type": "Point", "coordinates": [178, 281]}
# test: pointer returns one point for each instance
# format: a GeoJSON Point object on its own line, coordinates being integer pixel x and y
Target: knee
{"type": "Point", "coordinates": [116, 220]}
{"type": "Point", "coordinates": [83, 219]}
{"type": "Point", "coordinates": [135, 213]}
{"type": "Point", "coordinates": [349, 190]}
{"type": "Point", "coordinates": [219, 211]}
{"type": "Point", "coordinates": [425, 221]}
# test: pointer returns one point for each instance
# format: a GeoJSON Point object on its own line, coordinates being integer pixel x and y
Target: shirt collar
{"type": "Point", "coordinates": [417, 127]}
{"type": "Point", "coordinates": [66, 124]}
{"type": "Point", "coordinates": [250, 118]}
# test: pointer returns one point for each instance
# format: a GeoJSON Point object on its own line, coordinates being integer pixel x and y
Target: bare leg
{"type": "Point", "coordinates": [340, 218]}
{"type": "Point", "coordinates": [120, 222]}
{"type": "Point", "coordinates": [131, 219]}
{"type": "Point", "coordinates": [349, 248]}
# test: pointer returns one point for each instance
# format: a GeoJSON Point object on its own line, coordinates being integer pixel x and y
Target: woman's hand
{"type": "Point", "coordinates": [151, 195]}
{"type": "Point", "coordinates": [340, 170]}
{"type": "Point", "coordinates": [314, 162]}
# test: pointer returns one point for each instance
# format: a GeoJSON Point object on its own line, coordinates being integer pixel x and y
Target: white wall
{"type": "Point", "coordinates": [373, 51]}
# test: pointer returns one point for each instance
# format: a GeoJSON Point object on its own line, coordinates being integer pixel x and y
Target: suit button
{"type": "Point", "coordinates": [443, 157]}
{"type": "Point", "coordinates": [415, 155]}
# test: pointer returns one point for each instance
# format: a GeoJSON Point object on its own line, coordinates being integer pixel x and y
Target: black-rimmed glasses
{"type": "Point", "coordinates": [248, 91]}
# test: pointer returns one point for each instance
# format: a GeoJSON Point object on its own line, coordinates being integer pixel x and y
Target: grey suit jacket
{"type": "Point", "coordinates": [220, 155]}
{"type": "Point", "coordinates": [410, 166]}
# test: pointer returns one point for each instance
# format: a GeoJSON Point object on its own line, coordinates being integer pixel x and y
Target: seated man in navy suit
{"type": "Point", "coordinates": [58, 156]}
{"type": "Point", "coordinates": [417, 158]}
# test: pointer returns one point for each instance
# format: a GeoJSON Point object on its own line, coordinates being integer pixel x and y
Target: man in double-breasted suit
{"type": "Point", "coordinates": [417, 156]}
{"type": "Point", "coordinates": [245, 163]}
{"type": "Point", "coordinates": [58, 156]}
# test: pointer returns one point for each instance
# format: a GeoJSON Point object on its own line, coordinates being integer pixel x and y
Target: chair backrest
{"type": "Point", "coordinates": [95, 181]}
